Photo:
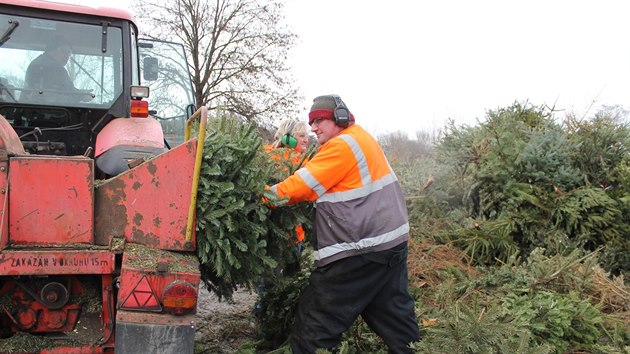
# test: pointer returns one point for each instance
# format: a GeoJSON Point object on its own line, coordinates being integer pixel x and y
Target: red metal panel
{"type": "Point", "coordinates": [56, 262]}
{"type": "Point", "coordinates": [130, 278]}
{"type": "Point", "coordinates": [4, 199]}
{"type": "Point", "coordinates": [107, 292]}
{"type": "Point", "coordinates": [4, 220]}
{"type": "Point", "coordinates": [92, 349]}
{"type": "Point", "coordinates": [51, 200]}
{"type": "Point", "coordinates": [149, 203]}
{"type": "Point", "coordinates": [9, 144]}
{"type": "Point", "coordinates": [159, 268]}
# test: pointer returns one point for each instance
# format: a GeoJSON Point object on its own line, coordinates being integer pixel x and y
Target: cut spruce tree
{"type": "Point", "coordinates": [240, 237]}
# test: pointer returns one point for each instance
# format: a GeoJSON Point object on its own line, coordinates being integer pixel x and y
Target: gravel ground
{"type": "Point", "coordinates": [223, 327]}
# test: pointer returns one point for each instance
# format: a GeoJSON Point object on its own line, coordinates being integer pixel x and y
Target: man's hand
{"type": "Point", "coordinates": [271, 200]}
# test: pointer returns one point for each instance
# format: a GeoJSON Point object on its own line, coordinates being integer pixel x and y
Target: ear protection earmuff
{"type": "Point", "coordinates": [341, 112]}
{"type": "Point", "coordinates": [287, 138]}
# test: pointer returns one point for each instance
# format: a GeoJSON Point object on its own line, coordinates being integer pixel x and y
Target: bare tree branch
{"type": "Point", "coordinates": [237, 52]}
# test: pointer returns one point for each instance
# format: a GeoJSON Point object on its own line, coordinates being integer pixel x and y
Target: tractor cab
{"type": "Point", "coordinates": [67, 77]}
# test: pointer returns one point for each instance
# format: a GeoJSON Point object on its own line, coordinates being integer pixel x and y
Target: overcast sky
{"type": "Point", "coordinates": [411, 64]}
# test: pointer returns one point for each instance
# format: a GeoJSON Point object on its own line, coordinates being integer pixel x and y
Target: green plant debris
{"type": "Point", "coordinates": [60, 246]}
{"type": "Point", "coordinates": [90, 300]}
{"type": "Point", "coordinates": [118, 244]}
{"type": "Point", "coordinates": [143, 257]}
{"type": "Point", "coordinates": [29, 343]}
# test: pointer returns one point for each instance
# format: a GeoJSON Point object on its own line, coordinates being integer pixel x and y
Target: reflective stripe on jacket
{"type": "Point", "coordinates": [360, 207]}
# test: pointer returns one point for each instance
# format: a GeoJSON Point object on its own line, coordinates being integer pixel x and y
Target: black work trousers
{"type": "Point", "coordinates": [372, 285]}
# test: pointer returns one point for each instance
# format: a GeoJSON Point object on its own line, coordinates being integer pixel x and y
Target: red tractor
{"type": "Point", "coordinates": [97, 188]}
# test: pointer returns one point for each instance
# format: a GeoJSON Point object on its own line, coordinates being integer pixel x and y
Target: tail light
{"type": "Point", "coordinates": [179, 298]}
{"type": "Point", "coordinates": [139, 109]}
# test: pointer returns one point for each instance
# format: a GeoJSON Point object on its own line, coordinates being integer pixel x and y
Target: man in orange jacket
{"type": "Point", "coordinates": [360, 236]}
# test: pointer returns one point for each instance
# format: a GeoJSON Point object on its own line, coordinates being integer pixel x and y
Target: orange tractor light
{"type": "Point", "coordinates": [139, 108]}
{"type": "Point", "coordinates": [179, 298]}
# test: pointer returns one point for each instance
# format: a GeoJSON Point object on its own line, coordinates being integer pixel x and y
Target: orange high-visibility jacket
{"type": "Point", "coordinates": [282, 155]}
{"type": "Point", "coordinates": [360, 207]}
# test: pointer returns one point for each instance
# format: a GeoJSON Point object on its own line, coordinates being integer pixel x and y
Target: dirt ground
{"type": "Point", "coordinates": [224, 327]}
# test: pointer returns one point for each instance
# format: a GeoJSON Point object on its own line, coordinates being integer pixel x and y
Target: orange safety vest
{"type": "Point", "coordinates": [280, 155]}
{"type": "Point", "coordinates": [360, 207]}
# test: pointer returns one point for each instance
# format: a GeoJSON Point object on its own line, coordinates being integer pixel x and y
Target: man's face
{"type": "Point", "coordinates": [62, 54]}
{"type": "Point", "coordinates": [325, 129]}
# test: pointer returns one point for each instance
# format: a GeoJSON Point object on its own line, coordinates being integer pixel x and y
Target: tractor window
{"type": "Point", "coordinates": [165, 72]}
{"type": "Point", "coordinates": [57, 63]}
{"type": "Point", "coordinates": [135, 77]}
